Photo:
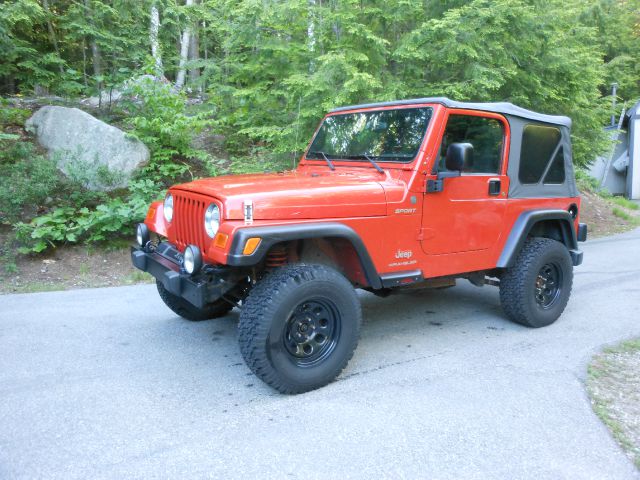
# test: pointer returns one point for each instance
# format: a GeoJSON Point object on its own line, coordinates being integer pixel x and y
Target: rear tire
{"type": "Point", "coordinates": [299, 327]}
{"type": "Point", "coordinates": [190, 312]}
{"type": "Point", "coordinates": [535, 291]}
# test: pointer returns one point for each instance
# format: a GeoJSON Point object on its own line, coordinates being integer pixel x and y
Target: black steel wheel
{"type": "Point", "coordinates": [535, 290]}
{"type": "Point", "coordinates": [299, 327]}
{"type": "Point", "coordinates": [548, 286]}
{"type": "Point", "coordinates": [312, 331]}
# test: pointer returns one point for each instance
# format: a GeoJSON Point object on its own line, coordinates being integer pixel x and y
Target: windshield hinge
{"type": "Point", "coordinates": [434, 186]}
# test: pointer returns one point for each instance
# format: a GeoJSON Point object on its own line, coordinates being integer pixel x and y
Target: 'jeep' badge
{"type": "Point", "coordinates": [404, 254]}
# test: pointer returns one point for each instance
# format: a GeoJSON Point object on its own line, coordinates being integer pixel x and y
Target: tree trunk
{"type": "Point", "coordinates": [184, 53]}
{"type": "Point", "coordinates": [84, 61]}
{"type": "Point", "coordinates": [337, 31]}
{"type": "Point", "coordinates": [95, 49]}
{"type": "Point", "coordinates": [153, 39]}
{"type": "Point", "coordinates": [311, 34]}
{"type": "Point", "coordinates": [52, 33]}
{"type": "Point", "coordinates": [97, 58]}
{"type": "Point", "coordinates": [194, 55]}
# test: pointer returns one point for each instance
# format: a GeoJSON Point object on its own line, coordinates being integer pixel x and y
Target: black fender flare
{"type": "Point", "coordinates": [522, 227]}
{"type": "Point", "coordinates": [271, 235]}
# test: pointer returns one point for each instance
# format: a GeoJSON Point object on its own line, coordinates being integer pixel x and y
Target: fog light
{"type": "Point", "coordinates": [142, 234]}
{"type": "Point", "coordinates": [192, 259]}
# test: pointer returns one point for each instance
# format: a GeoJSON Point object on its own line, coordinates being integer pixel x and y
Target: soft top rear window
{"type": "Point", "coordinates": [384, 135]}
{"type": "Point", "coordinates": [540, 147]}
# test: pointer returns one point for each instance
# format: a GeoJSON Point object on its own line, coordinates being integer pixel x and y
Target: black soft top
{"type": "Point", "coordinates": [496, 107]}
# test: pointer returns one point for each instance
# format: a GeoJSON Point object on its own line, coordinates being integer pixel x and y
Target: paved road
{"type": "Point", "coordinates": [108, 383]}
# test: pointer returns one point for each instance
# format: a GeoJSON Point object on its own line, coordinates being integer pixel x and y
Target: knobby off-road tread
{"type": "Point", "coordinates": [257, 315]}
{"type": "Point", "coordinates": [514, 291]}
{"type": "Point", "coordinates": [191, 312]}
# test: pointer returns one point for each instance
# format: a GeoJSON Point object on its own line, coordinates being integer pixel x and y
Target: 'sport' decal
{"type": "Point", "coordinates": [405, 211]}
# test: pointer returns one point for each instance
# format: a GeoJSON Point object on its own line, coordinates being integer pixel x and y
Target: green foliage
{"type": "Point", "coordinates": [71, 47]}
{"type": "Point", "coordinates": [13, 116]}
{"type": "Point", "coordinates": [68, 224]}
{"type": "Point", "coordinates": [159, 118]}
{"type": "Point", "coordinates": [8, 136]}
{"type": "Point", "coordinates": [260, 161]}
{"type": "Point", "coordinates": [536, 56]}
{"type": "Point", "coordinates": [585, 181]}
{"type": "Point", "coordinates": [268, 71]}
{"type": "Point", "coordinates": [618, 34]}
{"type": "Point", "coordinates": [28, 179]}
{"type": "Point", "coordinates": [623, 202]}
{"type": "Point", "coordinates": [626, 216]}
{"type": "Point", "coordinates": [282, 65]}
{"type": "Point", "coordinates": [272, 69]}
{"type": "Point", "coordinates": [86, 174]}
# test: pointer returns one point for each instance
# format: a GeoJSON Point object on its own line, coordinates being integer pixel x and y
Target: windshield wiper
{"type": "Point", "coordinates": [329, 162]}
{"type": "Point", "coordinates": [373, 162]}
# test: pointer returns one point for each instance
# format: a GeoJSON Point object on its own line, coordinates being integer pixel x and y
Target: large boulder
{"type": "Point", "coordinates": [86, 149]}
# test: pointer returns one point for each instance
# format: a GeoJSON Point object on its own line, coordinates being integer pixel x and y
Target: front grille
{"type": "Point", "coordinates": [188, 221]}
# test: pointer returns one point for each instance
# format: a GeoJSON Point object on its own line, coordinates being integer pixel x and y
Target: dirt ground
{"type": "Point", "coordinates": [597, 213]}
{"type": "Point", "coordinates": [614, 387]}
{"type": "Point", "coordinates": [70, 267]}
{"type": "Point", "coordinates": [79, 266]}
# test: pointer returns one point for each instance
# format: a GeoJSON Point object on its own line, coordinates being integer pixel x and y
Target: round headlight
{"type": "Point", "coordinates": [192, 259]}
{"type": "Point", "coordinates": [142, 234]}
{"type": "Point", "coordinates": [212, 220]}
{"type": "Point", "coordinates": [168, 208]}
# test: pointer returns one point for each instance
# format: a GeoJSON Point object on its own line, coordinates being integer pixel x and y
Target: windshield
{"type": "Point", "coordinates": [387, 135]}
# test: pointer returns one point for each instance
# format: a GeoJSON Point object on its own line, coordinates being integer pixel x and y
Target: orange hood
{"type": "Point", "coordinates": [296, 194]}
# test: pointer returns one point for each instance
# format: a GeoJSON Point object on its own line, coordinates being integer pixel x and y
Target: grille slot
{"type": "Point", "coordinates": [188, 221]}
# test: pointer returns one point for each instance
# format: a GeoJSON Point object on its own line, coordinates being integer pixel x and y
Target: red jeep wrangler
{"type": "Point", "coordinates": [388, 196]}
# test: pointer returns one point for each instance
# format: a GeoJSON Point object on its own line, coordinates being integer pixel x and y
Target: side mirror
{"type": "Point", "coordinates": [459, 156]}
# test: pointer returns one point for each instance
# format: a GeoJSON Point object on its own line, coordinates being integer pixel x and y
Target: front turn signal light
{"type": "Point", "coordinates": [221, 240]}
{"type": "Point", "coordinates": [251, 245]}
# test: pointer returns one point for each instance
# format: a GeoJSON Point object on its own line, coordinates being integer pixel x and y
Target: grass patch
{"type": "Point", "coordinates": [623, 202]}
{"type": "Point", "coordinates": [138, 277]}
{"type": "Point", "coordinates": [620, 213]}
{"type": "Point", "coordinates": [630, 346]}
{"type": "Point", "coordinates": [36, 287]}
{"type": "Point", "coordinates": [586, 181]}
{"type": "Point", "coordinates": [613, 384]}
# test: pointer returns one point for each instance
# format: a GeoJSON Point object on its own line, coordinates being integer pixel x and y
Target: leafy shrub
{"type": "Point", "coordinates": [67, 224]}
{"type": "Point", "coordinates": [159, 118]}
{"type": "Point", "coordinates": [28, 179]}
{"type": "Point", "coordinates": [260, 160]}
{"type": "Point", "coordinates": [13, 116]}
{"type": "Point", "coordinates": [87, 174]}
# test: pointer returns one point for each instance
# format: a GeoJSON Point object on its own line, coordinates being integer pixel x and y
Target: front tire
{"type": "Point", "coordinates": [190, 312]}
{"type": "Point", "coordinates": [535, 291]}
{"type": "Point", "coordinates": [299, 327]}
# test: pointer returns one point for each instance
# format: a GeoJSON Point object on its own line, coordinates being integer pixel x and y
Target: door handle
{"type": "Point", "coordinates": [494, 186]}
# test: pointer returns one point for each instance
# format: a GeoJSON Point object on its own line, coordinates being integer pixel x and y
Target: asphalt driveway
{"type": "Point", "coordinates": [108, 383]}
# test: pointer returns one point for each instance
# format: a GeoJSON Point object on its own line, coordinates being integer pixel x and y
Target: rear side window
{"type": "Point", "coordinates": [556, 170]}
{"type": "Point", "coordinates": [541, 154]}
{"type": "Point", "coordinates": [485, 134]}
